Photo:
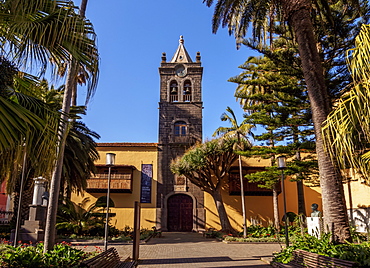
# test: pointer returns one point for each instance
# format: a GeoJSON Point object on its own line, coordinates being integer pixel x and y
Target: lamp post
{"type": "Point", "coordinates": [110, 158]}
{"type": "Point", "coordinates": [281, 161]}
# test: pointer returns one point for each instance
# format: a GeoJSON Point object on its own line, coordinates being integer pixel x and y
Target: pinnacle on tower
{"type": "Point", "coordinates": [181, 55]}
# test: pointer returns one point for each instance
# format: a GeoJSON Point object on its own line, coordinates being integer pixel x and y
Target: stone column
{"type": "Point", "coordinates": [33, 228]}
{"type": "Point", "coordinates": [38, 190]}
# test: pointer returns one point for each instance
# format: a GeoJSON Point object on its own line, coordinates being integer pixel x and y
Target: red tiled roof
{"type": "Point", "coordinates": [126, 144]}
{"type": "Point", "coordinates": [127, 166]}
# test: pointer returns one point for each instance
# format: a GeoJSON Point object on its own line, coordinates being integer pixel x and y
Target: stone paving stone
{"type": "Point", "coordinates": [176, 249]}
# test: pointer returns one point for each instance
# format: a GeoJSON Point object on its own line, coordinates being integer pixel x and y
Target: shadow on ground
{"type": "Point", "coordinates": [190, 260]}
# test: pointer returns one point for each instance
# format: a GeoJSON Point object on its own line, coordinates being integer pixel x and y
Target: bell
{"type": "Point", "coordinates": [174, 90]}
{"type": "Point", "coordinates": [187, 90]}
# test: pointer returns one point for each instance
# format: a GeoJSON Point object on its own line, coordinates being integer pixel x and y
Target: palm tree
{"type": "Point", "coordinates": [237, 15]}
{"type": "Point", "coordinates": [80, 152]}
{"type": "Point", "coordinates": [26, 123]}
{"type": "Point", "coordinates": [74, 66]}
{"type": "Point", "coordinates": [50, 33]}
{"type": "Point", "coordinates": [77, 218]}
{"type": "Point", "coordinates": [346, 131]}
{"type": "Point", "coordinates": [21, 23]}
{"type": "Point", "coordinates": [80, 147]}
{"type": "Point", "coordinates": [22, 107]}
{"type": "Point", "coordinates": [79, 157]}
{"type": "Point", "coordinates": [240, 131]}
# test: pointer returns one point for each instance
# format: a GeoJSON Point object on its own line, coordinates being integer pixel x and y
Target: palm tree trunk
{"type": "Point", "coordinates": [224, 219]}
{"type": "Point", "coordinates": [74, 85]}
{"type": "Point", "coordinates": [275, 205]}
{"type": "Point", "coordinates": [334, 207]}
{"type": "Point", "coordinates": [83, 8]}
{"type": "Point", "coordinates": [70, 95]}
{"type": "Point", "coordinates": [57, 173]}
{"type": "Point", "coordinates": [242, 197]}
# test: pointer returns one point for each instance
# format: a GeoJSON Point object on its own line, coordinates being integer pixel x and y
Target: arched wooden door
{"type": "Point", "coordinates": [180, 213]}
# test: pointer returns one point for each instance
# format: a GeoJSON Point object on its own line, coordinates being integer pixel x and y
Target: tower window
{"type": "Point", "coordinates": [180, 128]}
{"type": "Point", "coordinates": [174, 89]}
{"type": "Point", "coordinates": [187, 91]}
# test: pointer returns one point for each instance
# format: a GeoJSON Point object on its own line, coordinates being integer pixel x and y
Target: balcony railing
{"type": "Point", "coordinates": [120, 183]}
{"type": "Point", "coordinates": [187, 97]}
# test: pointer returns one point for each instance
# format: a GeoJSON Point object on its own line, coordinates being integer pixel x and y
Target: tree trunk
{"type": "Point", "coordinates": [26, 200]}
{"type": "Point", "coordinates": [301, 202]}
{"type": "Point", "coordinates": [242, 197]}
{"type": "Point", "coordinates": [275, 204]}
{"type": "Point", "coordinates": [300, 189]}
{"type": "Point", "coordinates": [224, 219]}
{"type": "Point", "coordinates": [83, 8]}
{"type": "Point", "coordinates": [70, 95]}
{"type": "Point", "coordinates": [275, 198]}
{"type": "Point", "coordinates": [334, 207]}
{"type": "Point", "coordinates": [57, 173]}
{"type": "Point", "coordinates": [74, 85]}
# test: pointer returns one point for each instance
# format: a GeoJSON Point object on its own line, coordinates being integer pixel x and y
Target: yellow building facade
{"type": "Point", "coordinates": [172, 203]}
{"type": "Point", "coordinates": [130, 158]}
{"type": "Point", "coordinates": [126, 181]}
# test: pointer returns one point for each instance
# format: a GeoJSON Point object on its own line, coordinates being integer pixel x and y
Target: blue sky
{"type": "Point", "coordinates": [131, 38]}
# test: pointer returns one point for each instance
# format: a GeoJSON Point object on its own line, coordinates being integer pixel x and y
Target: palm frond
{"type": "Point", "coordinates": [347, 128]}
{"type": "Point", "coordinates": [47, 32]}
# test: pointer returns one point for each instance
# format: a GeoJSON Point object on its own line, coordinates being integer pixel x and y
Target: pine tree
{"type": "Point", "coordinates": [335, 31]}
{"type": "Point", "coordinates": [279, 103]}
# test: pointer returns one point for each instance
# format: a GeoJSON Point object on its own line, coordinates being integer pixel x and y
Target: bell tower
{"type": "Point", "coordinates": [179, 202]}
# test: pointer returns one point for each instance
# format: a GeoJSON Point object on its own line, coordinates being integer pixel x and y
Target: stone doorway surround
{"type": "Point", "coordinates": [197, 225]}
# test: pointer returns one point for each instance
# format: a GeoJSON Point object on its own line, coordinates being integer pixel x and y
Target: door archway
{"type": "Point", "coordinates": [180, 213]}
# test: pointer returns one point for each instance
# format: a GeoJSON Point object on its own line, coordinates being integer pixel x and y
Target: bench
{"type": "Point", "coordinates": [108, 259]}
{"type": "Point", "coordinates": [302, 258]}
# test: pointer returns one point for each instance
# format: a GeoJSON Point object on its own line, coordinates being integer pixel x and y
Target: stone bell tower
{"type": "Point", "coordinates": [180, 204]}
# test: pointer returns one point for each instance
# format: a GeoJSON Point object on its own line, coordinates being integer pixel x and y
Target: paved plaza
{"type": "Point", "coordinates": [176, 249]}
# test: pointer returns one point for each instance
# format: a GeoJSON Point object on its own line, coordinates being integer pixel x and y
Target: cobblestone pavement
{"type": "Point", "coordinates": [176, 249]}
{"type": "Point", "coordinates": [192, 249]}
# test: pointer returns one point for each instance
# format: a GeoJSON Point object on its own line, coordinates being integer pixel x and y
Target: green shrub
{"type": "Point", "coordinates": [29, 256]}
{"type": "Point", "coordinates": [250, 239]}
{"type": "Point", "coordinates": [359, 253]}
{"type": "Point", "coordinates": [63, 255]}
{"type": "Point", "coordinates": [258, 231]}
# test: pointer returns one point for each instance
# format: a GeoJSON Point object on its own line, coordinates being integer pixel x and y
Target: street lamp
{"type": "Point", "coordinates": [110, 158]}
{"type": "Point", "coordinates": [281, 161]}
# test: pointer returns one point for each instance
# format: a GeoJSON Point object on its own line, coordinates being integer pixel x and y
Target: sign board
{"type": "Point", "coordinates": [146, 183]}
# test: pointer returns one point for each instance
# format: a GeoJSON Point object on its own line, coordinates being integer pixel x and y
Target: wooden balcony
{"type": "Point", "coordinates": [250, 188]}
{"type": "Point", "coordinates": [120, 183]}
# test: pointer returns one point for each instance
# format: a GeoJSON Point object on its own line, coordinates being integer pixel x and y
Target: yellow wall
{"type": "Point", "coordinates": [360, 193]}
{"type": "Point", "coordinates": [124, 202]}
{"type": "Point", "coordinates": [259, 208]}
